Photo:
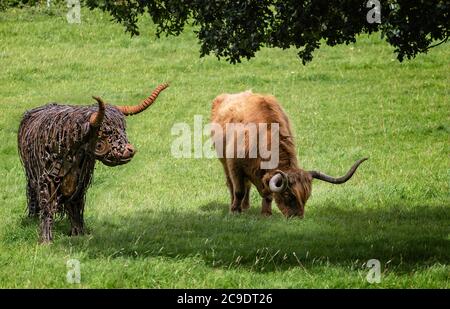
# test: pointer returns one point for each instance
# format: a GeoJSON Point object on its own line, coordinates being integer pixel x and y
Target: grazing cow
{"type": "Point", "coordinates": [287, 183]}
{"type": "Point", "coordinates": [58, 146]}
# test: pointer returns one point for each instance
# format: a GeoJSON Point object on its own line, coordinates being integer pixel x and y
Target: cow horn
{"type": "Point", "coordinates": [97, 117]}
{"type": "Point", "coordinates": [324, 177]}
{"type": "Point", "coordinates": [136, 109]}
{"type": "Point", "coordinates": [276, 179]}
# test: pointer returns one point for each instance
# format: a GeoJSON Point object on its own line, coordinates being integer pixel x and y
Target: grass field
{"type": "Point", "coordinates": [160, 221]}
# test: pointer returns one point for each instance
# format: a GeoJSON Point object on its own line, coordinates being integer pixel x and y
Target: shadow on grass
{"type": "Point", "coordinates": [215, 207]}
{"type": "Point", "coordinates": [403, 237]}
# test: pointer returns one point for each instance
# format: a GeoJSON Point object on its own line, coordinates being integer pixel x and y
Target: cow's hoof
{"type": "Point", "coordinates": [235, 211]}
{"type": "Point", "coordinates": [245, 206]}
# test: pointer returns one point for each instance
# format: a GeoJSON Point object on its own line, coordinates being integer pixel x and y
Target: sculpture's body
{"type": "Point", "coordinates": [58, 146]}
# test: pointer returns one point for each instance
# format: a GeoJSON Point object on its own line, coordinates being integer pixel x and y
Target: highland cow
{"type": "Point", "coordinates": [58, 146]}
{"type": "Point", "coordinates": [287, 183]}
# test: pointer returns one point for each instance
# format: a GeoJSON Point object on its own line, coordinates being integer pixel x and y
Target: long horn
{"type": "Point", "coordinates": [275, 180]}
{"type": "Point", "coordinates": [97, 117]}
{"type": "Point", "coordinates": [136, 109]}
{"type": "Point", "coordinates": [324, 177]}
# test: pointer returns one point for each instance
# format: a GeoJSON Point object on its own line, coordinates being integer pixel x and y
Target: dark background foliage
{"type": "Point", "coordinates": [236, 29]}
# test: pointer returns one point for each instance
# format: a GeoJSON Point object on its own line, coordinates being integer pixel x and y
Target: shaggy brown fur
{"type": "Point", "coordinates": [247, 108]}
{"type": "Point", "coordinates": [58, 146]}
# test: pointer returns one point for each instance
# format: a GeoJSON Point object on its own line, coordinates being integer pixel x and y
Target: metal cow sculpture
{"type": "Point", "coordinates": [58, 146]}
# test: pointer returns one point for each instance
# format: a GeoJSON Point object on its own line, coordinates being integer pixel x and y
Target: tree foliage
{"type": "Point", "coordinates": [236, 29]}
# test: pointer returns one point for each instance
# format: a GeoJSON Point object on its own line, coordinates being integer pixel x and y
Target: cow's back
{"type": "Point", "coordinates": [248, 107]}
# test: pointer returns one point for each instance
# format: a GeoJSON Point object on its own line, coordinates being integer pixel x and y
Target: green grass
{"type": "Point", "coordinates": [163, 222]}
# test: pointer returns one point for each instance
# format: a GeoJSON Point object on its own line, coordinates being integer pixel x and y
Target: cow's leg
{"type": "Point", "coordinates": [266, 209]}
{"type": "Point", "coordinates": [238, 182]}
{"type": "Point", "coordinates": [32, 196]}
{"type": "Point", "coordinates": [75, 211]}
{"type": "Point", "coordinates": [246, 200]}
{"type": "Point", "coordinates": [49, 206]}
{"type": "Point", "coordinates": [229, 183]}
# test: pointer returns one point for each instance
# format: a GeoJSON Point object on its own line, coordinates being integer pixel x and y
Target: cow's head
{"type": "Point", "coordinates": [292, 188]}
{"type": "Point", "coordinates": [112, 147]}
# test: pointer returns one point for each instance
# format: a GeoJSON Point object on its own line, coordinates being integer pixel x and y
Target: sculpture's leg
{"type": "Point", "coordinates": [75, 211]}
{"type": "Point", "coordinates": [48, 203]}
{"type": "Point", "coordinates": [32, 195]}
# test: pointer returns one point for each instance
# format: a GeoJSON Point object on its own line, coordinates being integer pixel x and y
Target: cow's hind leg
{"type": "Point", "coordinates": [228, 178]}
{"type": "Point", "coordinates": [238, 182]}
{"type": "Point", "coordinates": [246, 200]}
{"type": "Point", "coordinates": [75, 211]}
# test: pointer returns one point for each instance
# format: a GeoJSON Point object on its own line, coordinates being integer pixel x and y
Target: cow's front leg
{"type": "Point", "coordinates": [266, 209]}
{"type": "Point", "coordinates": [48, 204]}
{"type": "Point", "coordinates": [75, 211]}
